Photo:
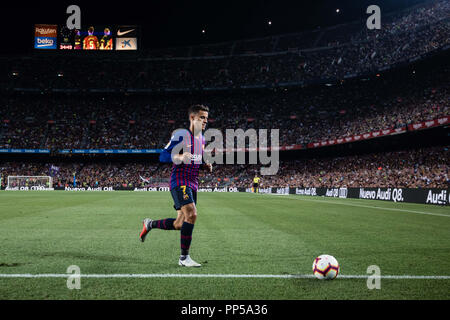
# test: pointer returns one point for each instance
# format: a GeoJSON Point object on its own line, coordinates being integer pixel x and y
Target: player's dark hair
{"type": "Point", "coordinates": [196, 108]}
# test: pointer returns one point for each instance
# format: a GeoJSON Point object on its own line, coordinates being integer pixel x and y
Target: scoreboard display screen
{"type": "Point", "coordinates": [126, 38]}
{"type": "Point", "coordinates": [94, 37]}
{"type": "Point", "coordinates": [45, 36]}
{"type": "Point", "coordinates": [66, 38]}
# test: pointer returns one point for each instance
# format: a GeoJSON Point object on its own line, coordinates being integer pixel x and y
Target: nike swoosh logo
{"type": "Point", "coordinates": [125, 32]}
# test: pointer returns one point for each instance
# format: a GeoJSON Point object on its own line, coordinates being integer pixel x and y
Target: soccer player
{"type": "Point", "coordinates": [106, 41]}
{"type": "Point", "coordinates": [184, 181]}
{"type": "Point", "coordinates": [256, 184]}
{"type": "Point", "coordinates": [77, 40]}
{"type": "Point", "coordinates": [91, 41]}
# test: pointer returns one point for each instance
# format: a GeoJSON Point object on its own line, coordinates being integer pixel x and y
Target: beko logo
{"type": "Point", "coordinates": [44, 42]}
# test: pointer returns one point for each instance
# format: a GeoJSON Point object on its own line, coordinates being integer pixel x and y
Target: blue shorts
{"type": "Point", "coordinates": [183, 195]}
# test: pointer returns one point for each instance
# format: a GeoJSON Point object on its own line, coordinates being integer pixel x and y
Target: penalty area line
{"type": "Point", "coordinates": [176, 275]}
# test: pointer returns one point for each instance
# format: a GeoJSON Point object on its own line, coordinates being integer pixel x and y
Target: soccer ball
{"type": "Point", "coordinates": [325, 267]}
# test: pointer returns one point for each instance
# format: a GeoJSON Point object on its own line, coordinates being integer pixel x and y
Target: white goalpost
{"type": "Point", "coordinates": [29, 183]}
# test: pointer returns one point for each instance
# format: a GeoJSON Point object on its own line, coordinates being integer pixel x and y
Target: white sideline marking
{"type": "Point", "coordinates": [176, 275]}
{"type": "Point", "coordinates": [371, 207]}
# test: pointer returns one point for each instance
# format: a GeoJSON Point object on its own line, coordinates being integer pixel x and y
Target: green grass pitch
{"type": "Point", "coordinates": [235, 234]}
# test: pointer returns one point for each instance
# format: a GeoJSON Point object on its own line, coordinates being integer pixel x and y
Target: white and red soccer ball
{"type": "Point", "coordinates": [325, 267]}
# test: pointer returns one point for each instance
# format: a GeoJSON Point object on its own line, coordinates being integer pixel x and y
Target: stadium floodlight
{"type": "Point", "coordinates": [29, 183]}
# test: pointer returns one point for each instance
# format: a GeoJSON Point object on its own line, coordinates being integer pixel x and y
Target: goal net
{"type": "Point", "coordinates": [29, 183]}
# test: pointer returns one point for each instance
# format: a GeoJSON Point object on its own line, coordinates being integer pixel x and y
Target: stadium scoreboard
{"type": "Point", "coordinates": [94, 37]}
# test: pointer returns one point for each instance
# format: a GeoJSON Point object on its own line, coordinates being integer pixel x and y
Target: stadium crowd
{"type": "Point", "coordinates": [419, 168]}
{"type": "Point", "coordinates": [303, 115]}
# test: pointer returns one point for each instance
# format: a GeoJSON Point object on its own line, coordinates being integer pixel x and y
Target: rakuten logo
{"type": "Point", "coordinates": [46, 32]}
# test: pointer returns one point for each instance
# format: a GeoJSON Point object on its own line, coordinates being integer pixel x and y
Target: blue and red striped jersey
{"type": "Point", "coordinates": [184, 174]}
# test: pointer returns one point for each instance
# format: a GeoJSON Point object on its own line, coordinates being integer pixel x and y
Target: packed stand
{"type": "Point", "coordinates": [303, 115]}
{"type": "Point", "coordinates": [420, 168]}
